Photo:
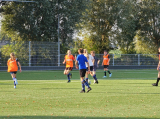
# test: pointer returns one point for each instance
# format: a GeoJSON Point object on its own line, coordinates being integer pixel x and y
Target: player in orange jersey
{"type": "Point", "coordinates": [13, 68]}
{"type": "Point", "coordinates": [105, 63]}
{"type": "Point", "coordinates": [69, 65]}
{"type": "Point", "coordinates": [158, 68]}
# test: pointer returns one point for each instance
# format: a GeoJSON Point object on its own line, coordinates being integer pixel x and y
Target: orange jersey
{"type": "Point", "coordinates": [159, 56]}
{"type": "Point", "coordinates": [69, 60]}
{"type": "Point", "coordinates": [12, 65]}
{"type": "Point", "coordinates": [106, 59]}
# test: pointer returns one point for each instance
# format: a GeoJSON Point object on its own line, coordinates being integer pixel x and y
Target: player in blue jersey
{"type": "Point", "coordinates": [81, 59]}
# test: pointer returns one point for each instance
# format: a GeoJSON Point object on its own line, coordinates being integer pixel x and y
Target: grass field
{"type": "Point", "coordinates": [128, 94]}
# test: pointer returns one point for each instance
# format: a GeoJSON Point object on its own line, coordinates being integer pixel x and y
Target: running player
{"type": "Point", "coordinates": [90, 61]}
{"type": "Point", "coordinates": [69, 65]}
{"type": "Point", "coordinates": [105, 63]}
{"type": "Point", "coordinates": [158, 68]}
{"type": "Point", "coordinates": [13, 68]}
{"type": "Point", "coordinates": [95, 65]}
{"type": "Point", "coordinates": [81, 59]}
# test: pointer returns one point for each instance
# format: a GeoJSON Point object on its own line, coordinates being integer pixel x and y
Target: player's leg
{"type": "Point", "coordinates": [105, 69]}
{"type": "Point", "coordinates": [156, 84]}
{"type": "Point", "coordinates": [13, 75]}
{"type": "Point", "coordinates": [82, 81]}
{"type": "Point", "coordinates": [68, 75]}
{"type": "Point", "coordinates": [93, 75]}
{"type": "Point", "coordinates": [110, 74]}
{"type": "Point", "coordinates": [67, 72]}
{"type": "Point", "coordinates": [82, 73]}
{"type": "Point", "coordinates": [86, 75]}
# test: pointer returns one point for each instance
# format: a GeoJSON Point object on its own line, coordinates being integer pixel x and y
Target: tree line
{"type": "Point", "coordinates": [130, 25]}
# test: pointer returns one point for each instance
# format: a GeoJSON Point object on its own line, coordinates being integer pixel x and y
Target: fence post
{"type": "Point", "coordinates": [113, 59]}
{"type": "Point", "coordinates": [138, 59]}
{"type": "Point", "coordinates": [29, 53]}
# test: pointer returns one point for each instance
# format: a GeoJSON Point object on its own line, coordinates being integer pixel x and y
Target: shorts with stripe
{"type": "Point", "coordinates": [69, 68]}
{"type": "Point", "coordinates": [106, 66]}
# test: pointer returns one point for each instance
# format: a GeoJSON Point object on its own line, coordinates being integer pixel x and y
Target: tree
{"type": "Point", "coordinates": [99, 20]}
{"type": "Point", "coordinates": [126, 27]}
{"type": "Point", "coordinates": [38, 21]}
{"type": "Point", "coordinates": [149, 23]}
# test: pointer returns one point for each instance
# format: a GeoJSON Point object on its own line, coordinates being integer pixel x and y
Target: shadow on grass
{"type": "Point", "coordinates": [67, 117]}
{"type": "Point", "coordinates": [57, 88]}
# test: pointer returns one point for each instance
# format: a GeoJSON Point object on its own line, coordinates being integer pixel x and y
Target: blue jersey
{"type": "Point", "coordinates": [81, 61]}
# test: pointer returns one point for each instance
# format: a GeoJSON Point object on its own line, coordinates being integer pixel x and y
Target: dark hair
{"type": "Point", "coordinates": [105, 50]}
{"type": "Point", "coordinates": [80, 50]}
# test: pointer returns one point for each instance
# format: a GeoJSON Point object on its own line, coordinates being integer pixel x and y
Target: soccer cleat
{"type": "Point", "coordinates": [68, 81]}
{"type": "Point", "coordinates": [89, 89]}
{"type": "Point", "coordinates": [14, 86]}
{"type": "Point", "coordinates": [16, 82]}
{"type": "Point", "coordinates": [82, 91]}
{"type": "Point", "coordinates": [154, 84]}
{"type": "Point", "coordinates": [70, 75]}
{"type": "Point", "coordinates": [96, 82]}
{"type": "Point", "coordinates": [104, 76]}
{"type": "Point", "coordinates": [110, 75]}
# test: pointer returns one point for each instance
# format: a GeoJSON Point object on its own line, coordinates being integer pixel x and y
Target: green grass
{"type": "Point", "coordinates": [128, 94]}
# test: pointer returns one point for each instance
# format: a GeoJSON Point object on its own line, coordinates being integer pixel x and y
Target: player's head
{"type": "Point", "coordinates": [93, 53]}
{"type": "Point", "coordinates": [68, 52]}
{"type": "Point", "coordinates": [12, 55]}
{"type": "Point", "coordinates": [85, 51]}
{"type": "Point", "coordinates": [80, 50]}
{"type": "Point", "coordinates": [105, 52]}
{"type": "Point", "coordinates": [159, 50]}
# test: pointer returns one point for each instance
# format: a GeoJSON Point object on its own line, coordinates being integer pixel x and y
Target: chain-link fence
{"type": "Point", "coordinates": [44, 56]}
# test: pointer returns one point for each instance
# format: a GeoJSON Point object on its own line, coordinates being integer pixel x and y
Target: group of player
{"type": "Point", "coordinates": [87, 64]}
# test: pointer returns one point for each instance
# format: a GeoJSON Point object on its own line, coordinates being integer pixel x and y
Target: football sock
{"type": "Point", "coordinates": [104, 73]}
{"type": "Point", "coordinates": [87, 79]}
{"type": "Point", "coordinates": [14, 83]}
{"type": "Point", "coordinates": [109, 72]}
{"type": "Point", "coordinates": [68, 76]}
{"type": "Point", "coordinates": [14, 79]}
{"type": "Point", "coordinates": [94, 76]}
{"type": "Point", "coordinates": [83, 86]}
{"type": "Point", "coordinates": [157, 81]}
{"type": "Point", "coordinates": [86, 83]}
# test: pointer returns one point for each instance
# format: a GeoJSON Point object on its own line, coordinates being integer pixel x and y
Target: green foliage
{"type": "Point", "coordinates": [149, 26]}
{"type": "Point", "coordinates": [98, 21]}
{"type": "Point", "coordinates": [38, 21]}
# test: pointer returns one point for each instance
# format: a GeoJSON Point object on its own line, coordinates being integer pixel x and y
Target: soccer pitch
{"type": "Point", "coordinates": [46, 95]}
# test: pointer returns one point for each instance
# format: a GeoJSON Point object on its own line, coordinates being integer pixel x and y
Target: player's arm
{"type": "Point", "coordinates": [75, 57]}
{"type": "Point", "coordinates": [98, 61]}
{"type": "Point", "coordinates": [88, 67]}
{"type": "Point", "coordinates": [93, 60]}
{"type": "Point", "coordinates": [76, 64]}
{"type": "Point", "coordinates": [158, 66]}
{"type": "Point", "coordinates": [102, 62]}
{"type": "Point", "coordinates": [64, 61]}
{"type": "Point", "coordinates": [19, 66]}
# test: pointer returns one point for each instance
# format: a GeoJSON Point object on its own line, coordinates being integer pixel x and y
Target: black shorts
{"type": "Point", "coordinates": [82, 72]}
{"type": "Point", "coordinates": [13, 72]}
{"type": "Point", "coordinates": [69, 68]}
{"type": "Point", "coordinates": [91, 68]}
{"type": "Point", "coordinates": [106, 66]}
